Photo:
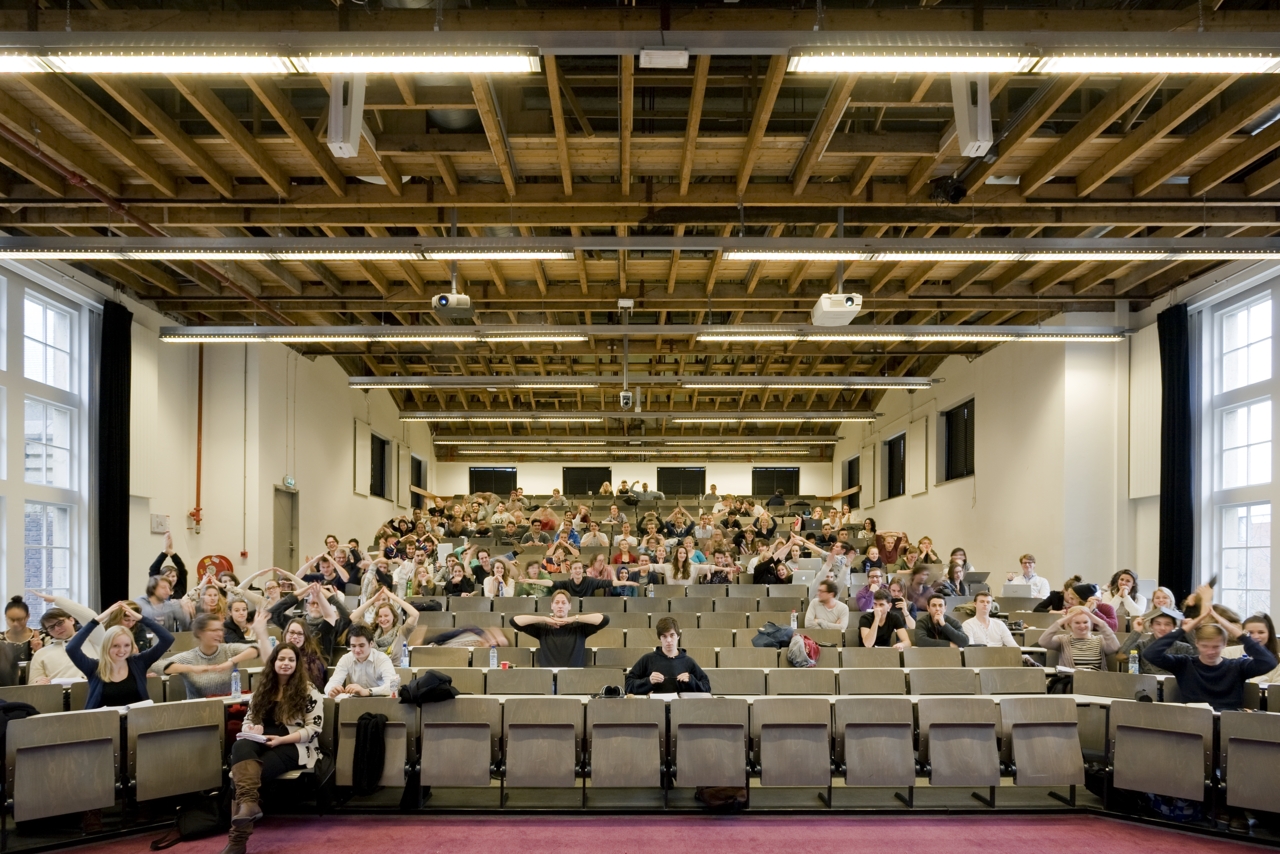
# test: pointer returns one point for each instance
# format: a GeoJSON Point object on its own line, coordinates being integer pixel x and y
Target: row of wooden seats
{"type": "Point", "coordinates": [700, 597]}
{"type": "Point", "coordinates": [730, 656]}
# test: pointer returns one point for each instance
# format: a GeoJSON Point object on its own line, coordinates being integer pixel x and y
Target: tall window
{"type": "Point", "coordinates": [379, 464]}
{"type": "Point", "coordinates": [1246, 445]}
{"type": "Point", "coordinates": [46, 552]}
{"type": "Point", "coordinates": [852, 478]}
{"type": "Point", "coordinates": [499, 481]}
{"type": "Point", "coordinates": [46, 344]}
{"type": "Point", "coordinates": [47, 433]}
{"type": "Point", "coordinates": [682, 480]}
{"type": "Point", "coordinates": [1246, 346]}
{"type": "Point", "coordinates": [958, 424]}
{"type": "Point", "coordinates": [581, 480]}
{"type": "Point", "coordinates": [765, 481]}
{"type": "Point", "coordinates": [895, 456]}
{"type": "Point", "coordinates": [1246, 558]}
{"type": "Point", "coordinates": [418, 478]}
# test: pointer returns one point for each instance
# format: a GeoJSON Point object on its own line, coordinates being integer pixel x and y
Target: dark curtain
{"type": "Point", "coordinates": [1177, 521]}
{"type": "Point", "coordinates": [115, 365]}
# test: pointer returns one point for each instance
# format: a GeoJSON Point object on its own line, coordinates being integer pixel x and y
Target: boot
{"type": "Point", "coordinates": [247, 777]}
{"type": "Point", "coordinates": [238, 838]}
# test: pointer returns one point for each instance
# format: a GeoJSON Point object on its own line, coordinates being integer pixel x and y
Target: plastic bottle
{"type": "Point", "coordinates": [652, 592]}
{"type": "Point", "coordinates": [274, 641]}
{"type": "Point", "coordinates": [493, 657]}
{"type": "Point", "coordinates": [404, 653]}
{"type": "Point", "coordinates": [235, 683]}
{"type": "Point", "coordinates": [794, 620]}
{"type": "Point", "coordinates": [1133, 662]}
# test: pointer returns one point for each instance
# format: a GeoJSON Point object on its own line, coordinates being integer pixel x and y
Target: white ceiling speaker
{"type": "Point", "coordinates": [971, 97]}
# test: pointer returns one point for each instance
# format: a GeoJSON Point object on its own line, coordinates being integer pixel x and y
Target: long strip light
{"type": "Point", "coordinates": [808, 384]}
{"type": "Point", "coordinates": [500, 255]}
{"type": "Point", "coordinates": [765, 419]}
{"type": "Point", "coordinates": [240, 61]}
{"type": "Point", "coordinates": [361, 334]}
{"type": "Point", "coordinates": [935, 335]}
{"type": "Point", "coordinates": [978, 60]}
{"type": "Point", "coordinates": [650, 452]}
{"type": "Point", "coordinates": [550, 442]}
{"type": "Point", "coordinates": [459, 417]}
{"type": "Point", "coordinates": [531, 383]}
{"type": "Point", "coordinates": [912, 62]}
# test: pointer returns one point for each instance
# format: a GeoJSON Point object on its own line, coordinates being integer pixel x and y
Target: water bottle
{"type": "Point", "coordinates": [794, 621]}
{"type": "Point", "coordinates": [493, 657]}
{"type": "Point", "coordinates": [274, 641]}
{"type": "Point", "coordinates": [404, 653]}
{"type": "Point", "coordinates": [235, 684]}
{"type": "Point", "coordinates": [1133, 662]}
{"type": "Point", "coordinates": [652, 591]}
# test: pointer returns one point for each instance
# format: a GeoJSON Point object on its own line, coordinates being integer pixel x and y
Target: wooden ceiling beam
{"type": "Point", "coordinates": [1054, 92]}
{"type": "Point", "coordinates": [72, 104]}
{"type": "Point", "coordinates": [203, 98]}
{"type": "Point", "coordinates": [823, 128]}
{"type": "Point", "coordinates": [626, 120]}
{"type": "Point", "coordinates": [281, 108]}
{"type": "Point", "coordinates": [765, 100]}
{"type": "Point", "coordinates": [557, 121]}
{"type": "Point", "coordinates": [18, 118]}
{"type": "Point", "coordinates": [493, 129]}
{"type": "Point", "coordinates": [1174, 112]}
{"type": "Point", "coordinates": [1239, 157]}
{"type": "Point", "coordinates": [701, 66]}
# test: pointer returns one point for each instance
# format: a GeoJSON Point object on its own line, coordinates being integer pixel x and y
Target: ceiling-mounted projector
{"type": "Point", "coordinates": [836, 309]}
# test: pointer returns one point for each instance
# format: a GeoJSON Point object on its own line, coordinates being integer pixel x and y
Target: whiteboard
{"type": "Point", "coordinates": [362, 476]}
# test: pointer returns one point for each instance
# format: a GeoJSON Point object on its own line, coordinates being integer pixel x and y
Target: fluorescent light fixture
{"type": "Point", "coordinates": [16, 63]}
{"type": "Point", "coordinates": [1055, 336]}
{"type": "Point", "coordinates": [481, 416]}
{"type": "Point", "coordinates": [729, 336]}
{"type": "Point", "coordinates": [953, 255]}
{"type": "Point", "coordinates": [211, 339]}
{"type": "Point", "coordinates": [648, 452]}
{"type": "Point", "coordinates": [664, 57]}
{"type": "Point", "coordinates": [765, 419]}
{"type": "Point", "coordinates": [1151, 62]}
{"type": "Point", "coordinates": [428, 383]}
{"type": "Point", "coordinates": [802, 386]}
{"type": "Point", "coordinates": [793, 255]}
{"type": "Point", "coordinates": [345, 255]}
{"type": "Point", "coordinates": [522, 443]}
{"type": "Point", "coordinates": [501, 255]}
{"type": "Point", "coordinates": [835, 61]}
{"type": "Point", "coordinates": [423, 337]}
{"type": "Point", "coordinates": [136, 62]}
{"type": "Point", "coordinates": [457, 62]}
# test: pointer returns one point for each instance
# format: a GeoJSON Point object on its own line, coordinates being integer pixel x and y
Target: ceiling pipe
{"type": "Point", "coordinates": [76, 179]}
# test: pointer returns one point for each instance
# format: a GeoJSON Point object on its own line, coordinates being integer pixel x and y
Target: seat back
{"type": "Point", "coordinates": [1011, 680]}
{"type": "Point", "coordinates": [454, 737]}
{"type": "Point", "coordinates": [737, 681]}
{"type": "Point", "coordinates": [748, 656]}
{"type": "Point", "coordinates": [721, 638]}
{"type": "Point", "coordinates": [1120, 686]}
{"type": "Point", "coordinates": [659, 603]}
{"type": "Point", "coordinates": [468, 680]}
{"type": "Point", "coordinates": [587, 680]}
{"type": "Point", "coordinates": [1041, 735]}
{"type": "Point", "coordinates": [801, 680]}
{"type": "Point", "coordinates": [724, 620]}
{"type": "Point", "coordinates": [992, 656]}
{"type": "Point", "coordinates": [193, 730]}
{"type": "Point", "coordinates": [874, 738]}
{"type": "Point", "coordinates": [604, 604]}
{"type": "Point", "coordinates": [47, 699]}
{"type": "Point", "coordinates": [515, 656]}
{"type": "Point", "coordinates": [1249, 756]}
{"type": "Point", "coordinates": [737, 604]}
{"type": "Point", "coordinates": [543, 740]}
{"type": "Point", "coordinates": [931, 656]}
{"type": "Point", "coordinates": [470, 603]}
{"type": "Point", "coordinates": [871, 680]}
{"type": "Point", "coordinates": [621, 658]}
{"type": "Point", "coordinates": [627, 742]}
{"type": "Point", "coordinates": [400, 737]}
{"type": "Point", "coordinates": [62, 763]}
{"type": "Point", "coordinates": [958, 738]}
{"type": "Point", "coordinates": [709, 740]}
{"type": "Point", "coordinates": [862, 658]}
{"type": "Point", "coordinates": [701, 604]}
{"type": "Point", "coordinates": [791, 740]}
{"type": "Point", "coordinates": [608, 637]}
{"type": "Point", "coordinates": [515, 605]}
{"type": "Point", "coordinates": [943, 680]}
{"type": "Point", "coordinates": [750, 591]}
{"type": "Point", "coordinates": [435, 657]}
{"type": "Point", "coordinates": [1161, 748]}
{"type": "Point", "coordinates": [631, 619]}
{"type": "Point", "coordinates": [520, 680]}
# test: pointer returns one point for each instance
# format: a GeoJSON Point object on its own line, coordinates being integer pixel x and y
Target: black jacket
{"type": "Point", "coordinates": [657, 662]}
{"type": "Point", "coordinates": [929, 633]}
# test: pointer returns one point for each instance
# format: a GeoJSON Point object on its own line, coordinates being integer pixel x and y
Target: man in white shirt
{"type": "Point", "coordinates": [982, 629]}
{"type": "Point", "coordinates": [364, 671]}
{"type": "Point", "coordinates": [594, 538]}
{"type": "Point", "coordinates": [827, 612]}
{"type": "Point", "coordinates": [1039, 586]}
{"type": "Point", "coordinates": [626, 535]}
{"type": "Point", "coordinates": [705, 528]}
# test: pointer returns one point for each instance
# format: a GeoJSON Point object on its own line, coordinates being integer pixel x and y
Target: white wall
{"type": "Point", "coordinates": [268, 413]}
{"type": "Point", "coordinates": [541, 478]}
{"type": "Point", "coordinates": [1050, 462]}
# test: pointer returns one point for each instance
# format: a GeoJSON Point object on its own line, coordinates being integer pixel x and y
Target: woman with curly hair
{"type": "Point", "coordinates": [281, 733]}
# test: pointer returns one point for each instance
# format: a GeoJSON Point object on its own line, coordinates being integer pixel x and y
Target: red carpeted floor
{"type": "Point", "coordinates": [613, 834]}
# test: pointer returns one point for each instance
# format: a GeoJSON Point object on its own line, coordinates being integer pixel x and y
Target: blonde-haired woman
{"type": "Point", "coordinates": [501, 582]}
{"type": "Point", "coordinates": [392, 621]}
{"type": "Point", "coordinates": [119, 678]}
{"type": "Point", "coordinates": [606, 488]}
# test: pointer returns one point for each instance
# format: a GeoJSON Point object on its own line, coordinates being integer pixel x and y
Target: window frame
{"type": "Point", "coordinates": [951, 472]}
{"type": "Point", "coordinates": [852, 478]}
{"type": "Point", "coordinates": [683, 474]}
{"type": "Point", "coordinates": [47, 304]}
{"type": "Point", "coordinates": [895, 444]}
{"type": "Point", "coordinates": [501, 493]}
{"type": "Point", "coordinates": [376, 441]}
{"type": "Point", "coordinates": [765, 494]}
{"type": "Point", "coordinates": [70, 449]}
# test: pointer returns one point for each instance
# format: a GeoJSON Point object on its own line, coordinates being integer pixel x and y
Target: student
{"type": "Point", "coordinates": [160, 605]}
{"type": "Point", "coordinates": [363, 671]}
{"type": "Point", "coordinates": [238, 626]}
{"type": "Point", "coordinates": [1054, 603]}
{"type": "Point", "coordinates": [1038, 587]}
{"type": "Point", "coordinates": [1082, 638]}
{"type": "Point", "coordinates": [667, 669]}
{"type": "Point", "coordinates": [882, 626]}
{"type": "Point", "coordinates": [872, 560]}
{"type": "Point", "coordinates": [938, 628]}
{"type": "Point", "coordinates": [1159, 623]}
{"type": "Point", "coordinates": [392, 622]}
{"type": "Point", "coordinates": [953, 584]}
{"type": "Point", "coordinates": [864, 597]}
{"type": "Point", "coordinates": [287, 713]}
{"type": "Point", "coordinates": [59, 623]}
{"type": "Point", "coordinates": [533, 570]}
{"type": "Point", "coordinates": [176, 570]}
{"type": "Point", "coordinates": [563, 637]}
{"type": "Point", "coordinates": [577, 584]}
{"type": "Point", "coordinates": [326, 617]}
{"type": "Point", "coordinates": [119, 677]}
{"type": "Point", "coordinates": [459, 584]}
{"type": "Point", "coordinates": [927, 554]}
{"type": "Point", "coordinates": [982, 629]}
{"type": "Point", "coordinates": [1208, 677]}
{"type": "Point", "coordinates": [1123, 596]}
{"type": "Point", "coordinates": [25, 640]}
{"type": "Point", "coordinates": [826, 611]}
{"type": "Point", "coordinates": [206, 668]}
{"type": "Point", "coordinates": [1261, 629]}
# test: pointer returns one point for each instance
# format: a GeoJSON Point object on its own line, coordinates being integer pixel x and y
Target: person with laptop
{"type": "Point", "coordinates": [1037, 587]}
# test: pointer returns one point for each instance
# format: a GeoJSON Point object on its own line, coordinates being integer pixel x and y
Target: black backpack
{"type": "Point", "coordinates": [197, 817]}
{"type": "Point", "coordinates": [370, 753]}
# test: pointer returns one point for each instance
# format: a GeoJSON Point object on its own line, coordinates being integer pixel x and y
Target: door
{"type": "Point", "coordinates": [284, 529]}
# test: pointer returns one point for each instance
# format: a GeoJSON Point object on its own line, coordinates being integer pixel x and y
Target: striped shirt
{"type": "Point", "coordinates": [1086, 653]}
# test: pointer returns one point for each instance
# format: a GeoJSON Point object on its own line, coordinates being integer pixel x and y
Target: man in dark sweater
{"type": "Point", "coordinates": [1158, 623]}
{"type": "Point", "coordinates": [940, 629]}
{"type": "Point", "coordinates": [563, 636]}
{"type": "Point", "coordinates": [667, 669]}
{"type": "Point", "coordinates": [578, 584]}
{"type": "Point", "coordinates": [1208, 677]}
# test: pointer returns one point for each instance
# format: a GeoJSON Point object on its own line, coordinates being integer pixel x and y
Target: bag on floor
{"type": "Point", "coordinates": [722, 797]}
{"type": "Point", "coordinates": [799, 653]}
{"type": "Point", "coordinates": [196, 818]}
{"type": "Point", "coordinates": [370, 753]}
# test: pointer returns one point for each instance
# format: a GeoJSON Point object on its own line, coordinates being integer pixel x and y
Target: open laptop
{"type": "Point", "coordinates": [977, 577]}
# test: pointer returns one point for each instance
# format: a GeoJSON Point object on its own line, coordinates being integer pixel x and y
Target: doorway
{"type": "Point", "coordinates": [284, 529]}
